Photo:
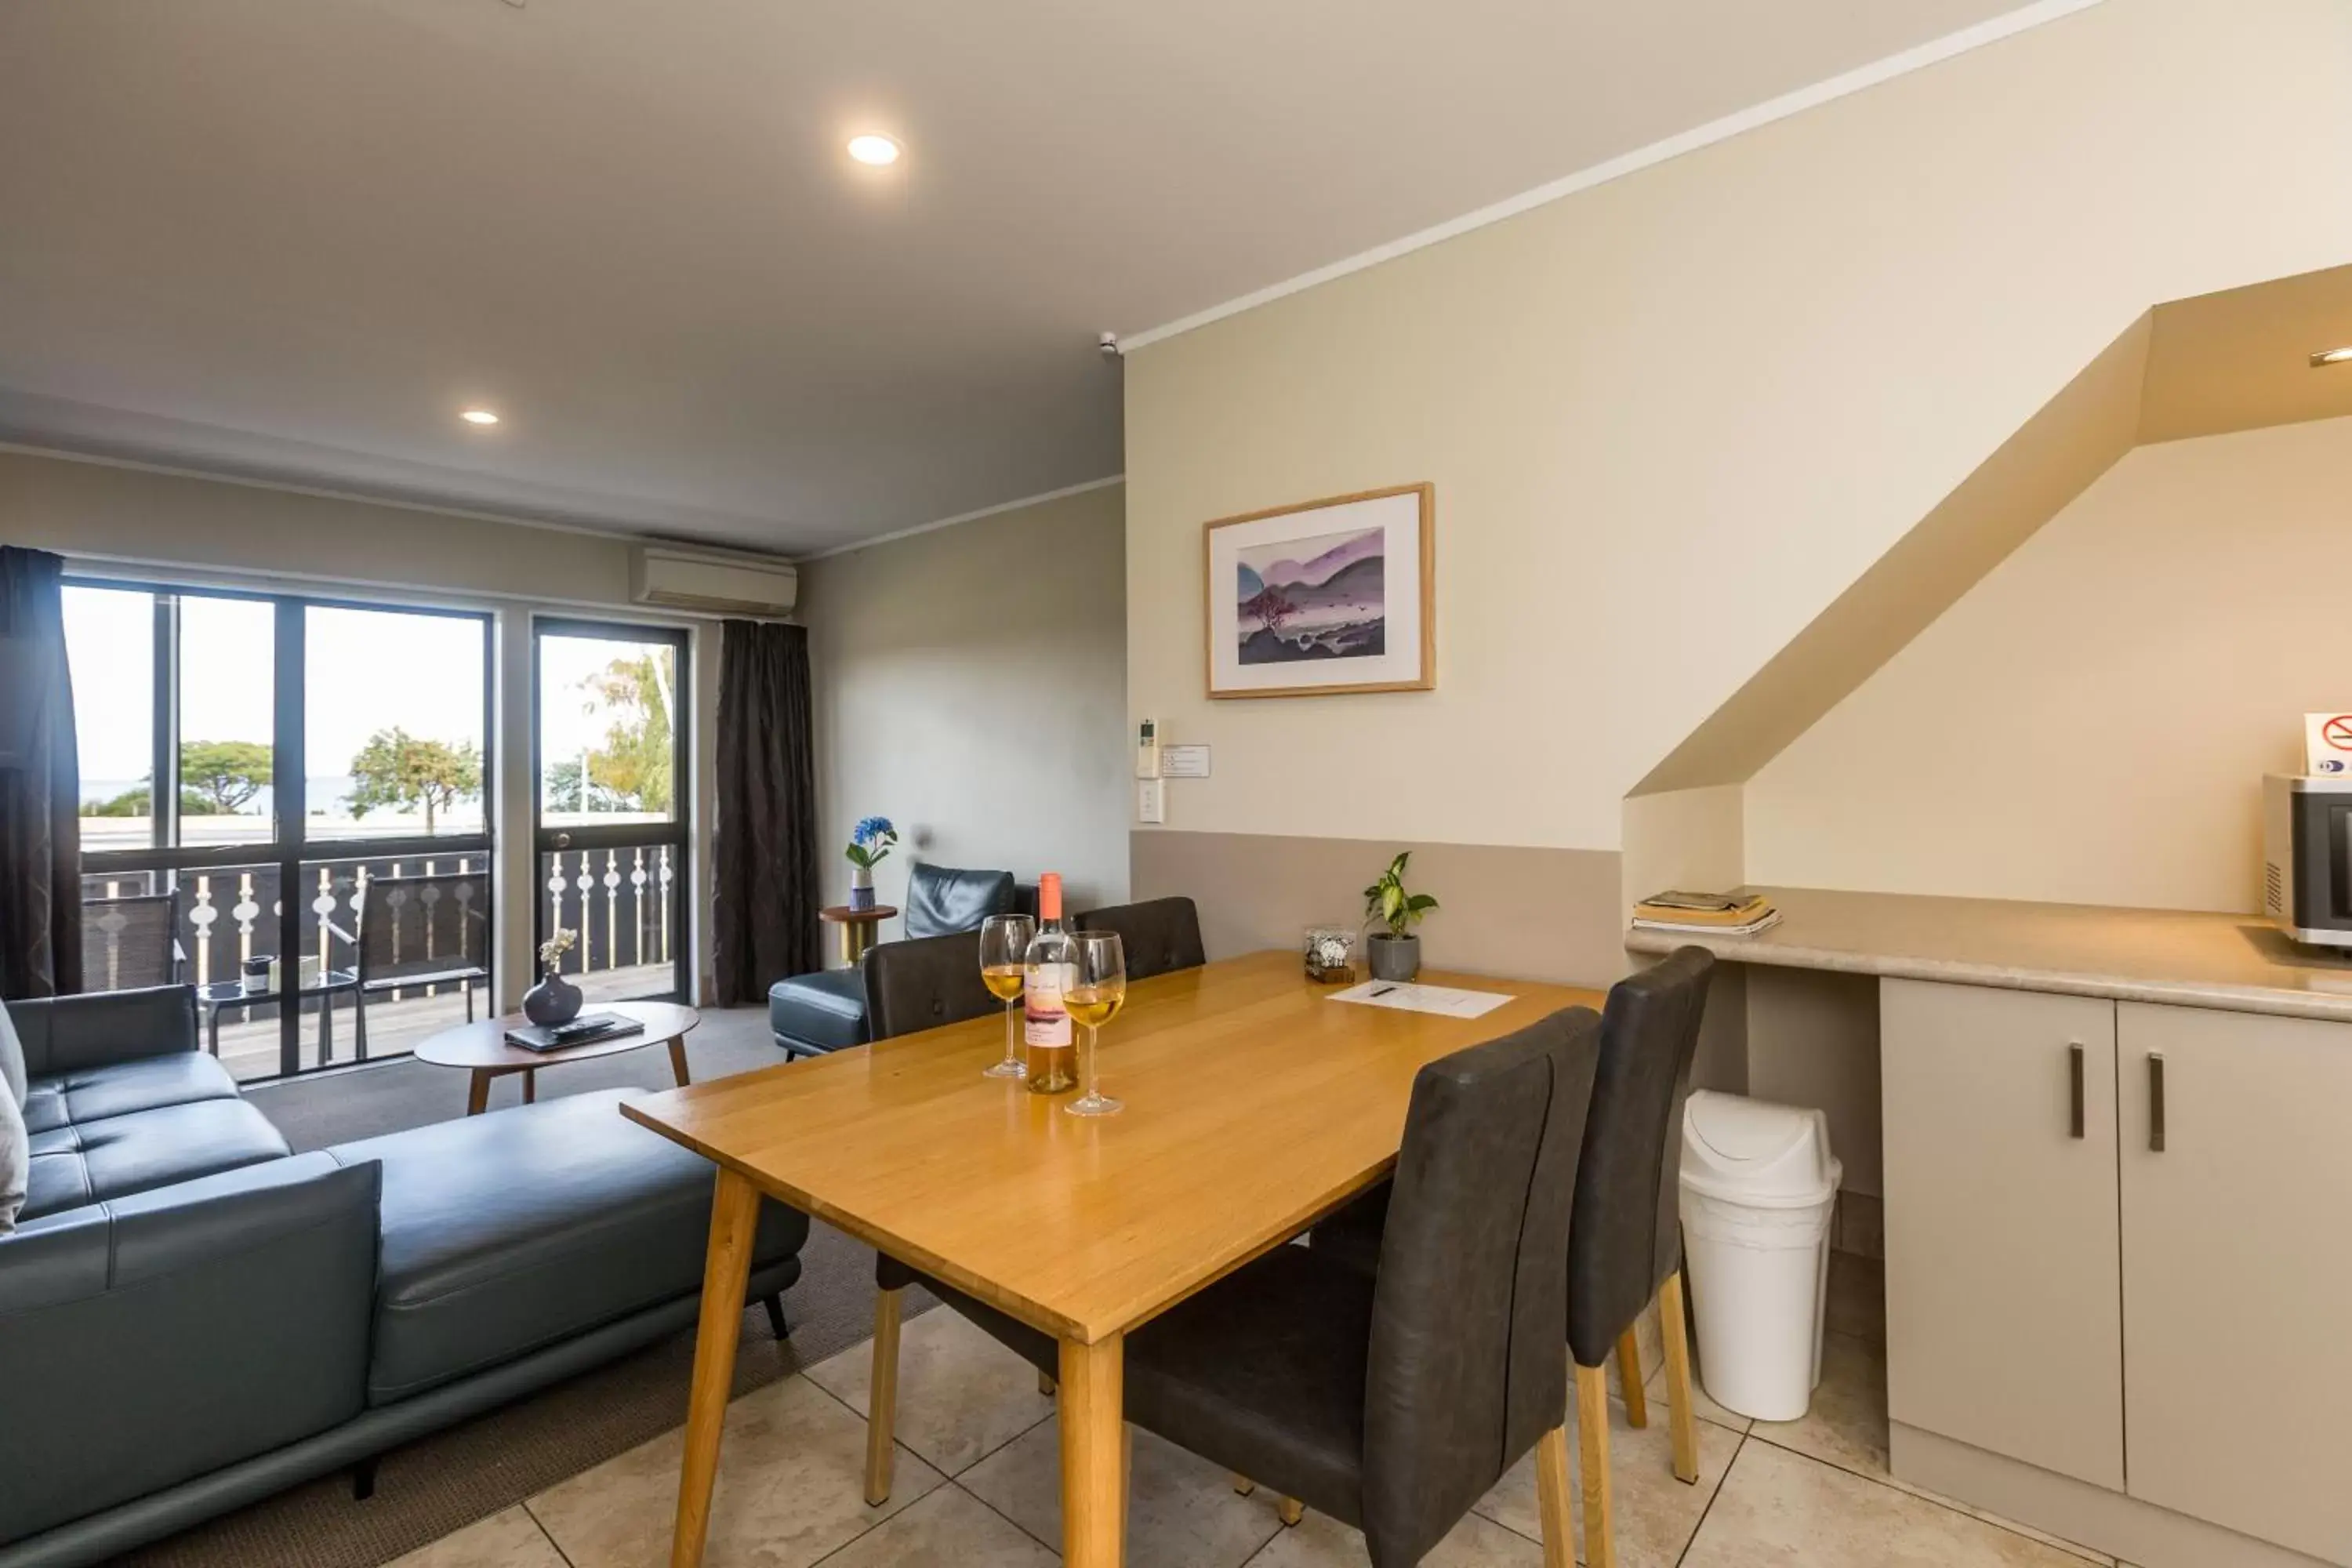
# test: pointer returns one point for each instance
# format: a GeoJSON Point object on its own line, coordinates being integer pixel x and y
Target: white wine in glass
{"type": "Point", "coordinates": [1004, 943]}
{"type": "Point", "coordinates": [1098, 990]}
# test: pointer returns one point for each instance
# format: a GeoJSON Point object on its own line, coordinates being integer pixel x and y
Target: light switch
{"type": "Point", "coordinates": [1150, 801]}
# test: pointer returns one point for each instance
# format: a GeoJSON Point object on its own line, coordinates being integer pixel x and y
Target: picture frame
{"type": "Point", "coordinates": [1323, 596]}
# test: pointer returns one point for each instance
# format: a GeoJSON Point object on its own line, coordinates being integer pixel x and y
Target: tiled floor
{"type": "Point", "coordinates": [977, 1484]}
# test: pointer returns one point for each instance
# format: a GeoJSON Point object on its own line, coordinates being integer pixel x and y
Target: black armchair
{"type": "Point", "coordinates": [810, 1014]}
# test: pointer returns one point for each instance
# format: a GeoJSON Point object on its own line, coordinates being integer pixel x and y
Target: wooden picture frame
{"type": "Point", "coordinates": [1323, 596]}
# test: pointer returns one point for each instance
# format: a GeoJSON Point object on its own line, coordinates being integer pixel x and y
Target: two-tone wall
{"type": "Point", "coordinates": [1669, 420]}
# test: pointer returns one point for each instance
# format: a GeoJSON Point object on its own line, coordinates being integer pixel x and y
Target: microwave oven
{"type": "Point", "coordinates": [2308, 858]}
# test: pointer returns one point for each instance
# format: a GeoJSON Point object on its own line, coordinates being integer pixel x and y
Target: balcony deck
{"type": "Point", "coordinates": [249, 1047]}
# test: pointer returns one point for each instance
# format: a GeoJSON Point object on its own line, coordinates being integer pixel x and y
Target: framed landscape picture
{"type": "Point", "coordinates": [1328, 595]}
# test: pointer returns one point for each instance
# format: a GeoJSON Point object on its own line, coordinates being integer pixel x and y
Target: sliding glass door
{"type": "Point", "coordinates": [610, 835]}
{"type": "Point", "coordinates": [283, 804]}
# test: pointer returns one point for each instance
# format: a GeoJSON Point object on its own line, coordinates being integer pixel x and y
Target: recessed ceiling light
{"type": "Point", "coordinates": [478, 416]}
{"type": "Point", "coordinates": [875, 150]}
{"type": "Point", "coordinates": [2331, 357]}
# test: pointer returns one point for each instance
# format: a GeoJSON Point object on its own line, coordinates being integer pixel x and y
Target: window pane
{"type": "Point", "coordinates": [393, 723]}
{"type": "Point", "coordinates": [228, 651]}
{"type": "Point", "coordinates": [111, 651]}
{"type": "Point", "coordinates": [622, 906]}
{"type": "Point", "coordinates": [606, 744]}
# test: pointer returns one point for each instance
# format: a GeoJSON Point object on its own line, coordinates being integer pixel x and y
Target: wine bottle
{"type": "Point", "coordinates": [1047, 973]}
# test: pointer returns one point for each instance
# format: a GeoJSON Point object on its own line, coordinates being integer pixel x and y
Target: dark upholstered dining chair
{"type": "Point", "coordinates": [1625, 1245]}
{"type": "Point", "coordinates": [810, 1014]}
{"type": "Point", "coordinates": [1394, 1400]}
{"type": "Point", "coordinates": [925, 983]}
{"type": "Point", "coordinates": [1157, 936]}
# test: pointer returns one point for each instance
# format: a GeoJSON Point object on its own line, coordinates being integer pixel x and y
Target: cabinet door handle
{"type": "Point", "coordinates": [2156, 1103]}
{"type": "Point", "coordinates": [2075, 1071]}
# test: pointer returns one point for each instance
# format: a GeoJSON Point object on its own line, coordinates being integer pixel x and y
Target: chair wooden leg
{"type": "Point", "coordinates": [1243, 1484]}
{"type": "Point", "coordinates": [1680, 1416]}
{"type": "Point", "coordinates": [1628, 1373]}
{"type": "Point", "coordinates": [1593, 1461]}
{"type": "Point", "coordinates": [882, 1398]}
{"type": "Point", "coordinates": [1290, 1510]}
{"type": "Point", "coordinates": [1551, 1499]}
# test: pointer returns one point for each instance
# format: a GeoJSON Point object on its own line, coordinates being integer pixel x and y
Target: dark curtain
{"type": "Point", "coordinates": [766, 836]}
{"type": "Point", "coordinates": [40, 783]}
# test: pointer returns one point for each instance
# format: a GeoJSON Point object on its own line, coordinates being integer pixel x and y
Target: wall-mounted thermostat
{"type": "Point", "coordinates": [1147, 750]}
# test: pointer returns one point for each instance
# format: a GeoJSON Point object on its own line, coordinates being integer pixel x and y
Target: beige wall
{"type": "Point", "coordinates": [2090, 724]}
{"type": "Point", "coordinates": [1671, 418]}
{"type": "Point", "coordinates": [970, 685]}
{"type": "Point", "coordinates": [137, 522]}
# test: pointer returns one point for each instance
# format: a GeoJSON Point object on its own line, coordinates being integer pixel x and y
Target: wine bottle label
{"type": "Point", "coordinates": [1044, 1020]}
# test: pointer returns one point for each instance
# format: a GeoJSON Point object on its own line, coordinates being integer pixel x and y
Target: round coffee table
{"type": "Point", "coordinates": [481, 1048]}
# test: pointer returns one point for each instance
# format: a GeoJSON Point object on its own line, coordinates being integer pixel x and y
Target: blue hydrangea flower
{"type": "Point", "coordinates": [873, 828]}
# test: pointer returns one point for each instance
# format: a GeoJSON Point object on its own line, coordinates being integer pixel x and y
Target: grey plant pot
{"type": "Point", "coordinates": [1393, 957]}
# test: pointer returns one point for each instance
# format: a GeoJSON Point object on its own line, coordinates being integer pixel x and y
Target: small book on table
{"type": "Point", "coordinates": [586, 1029]}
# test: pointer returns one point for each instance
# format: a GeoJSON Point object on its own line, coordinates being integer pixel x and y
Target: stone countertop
{"type": "Point", "coordinates": [2238, 962]}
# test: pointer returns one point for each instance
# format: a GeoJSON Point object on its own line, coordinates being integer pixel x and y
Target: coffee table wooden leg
{"type": "Point", "coordinates": [531, 1086]}
{"type": "Point", "coordinates": [677, 1062]}
{"type": "Point", "coordinates": [477, 1096]}
{"type": "Point", "coordinates": [734, 1218]}
{"type": "Point", "coordinates": [1094, 1453]}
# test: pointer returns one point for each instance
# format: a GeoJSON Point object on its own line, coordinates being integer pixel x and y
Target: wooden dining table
{"type": "Point", "coordinates": [1255, 1104]}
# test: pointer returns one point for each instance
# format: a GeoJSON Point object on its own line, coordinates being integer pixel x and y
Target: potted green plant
{"type": "Point", "coordinates": [1394, 953]}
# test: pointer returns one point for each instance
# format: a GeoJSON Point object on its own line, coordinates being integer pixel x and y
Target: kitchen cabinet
{"type": "Point", "coordinates": [2237, 1269]}
{"type": "Point", "coordinates": [2002, 1255]}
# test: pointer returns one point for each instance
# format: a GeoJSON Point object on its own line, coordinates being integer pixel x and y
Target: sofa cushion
{"type": "Point", "coordinates": [87, 1161]}
{"type": "Point", "coordinates": [15, 1161]}
{"type": "Point", "coordinates": [13, 1081]}
{"type": "Point", "coordinates": [124, 1089]}
{"type": "Point", "coordinates": [507, 1232]}
{"type": "Point", "coordinates": [825, 1011]}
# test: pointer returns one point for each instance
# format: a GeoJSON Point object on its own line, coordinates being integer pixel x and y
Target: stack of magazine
{"type": "Point", "coordinates": [1706, 914]}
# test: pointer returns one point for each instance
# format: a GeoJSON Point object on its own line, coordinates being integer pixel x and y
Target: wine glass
{"type": "Point", "coordinates": [1004, 943]}
{"type": "Point", "coordinates": [1098, 989]}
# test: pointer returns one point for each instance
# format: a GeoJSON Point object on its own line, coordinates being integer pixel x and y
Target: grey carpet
{"type": "Point", "coordinates": [445, 1482]}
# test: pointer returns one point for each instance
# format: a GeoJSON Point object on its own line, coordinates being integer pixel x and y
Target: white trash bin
{"type": "Point", "coordinates": [1759, 1185]}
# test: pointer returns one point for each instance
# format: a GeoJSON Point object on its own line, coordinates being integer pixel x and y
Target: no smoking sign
{"type": "Point", "coordinates": [2327, 742]}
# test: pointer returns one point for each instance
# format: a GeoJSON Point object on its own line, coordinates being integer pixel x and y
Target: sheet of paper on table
{"type": "Point", "coordinates": [1412, 998]}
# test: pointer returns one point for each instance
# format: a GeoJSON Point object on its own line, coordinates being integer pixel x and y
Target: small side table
{"type": "Point", "coordinates": [857, 928]}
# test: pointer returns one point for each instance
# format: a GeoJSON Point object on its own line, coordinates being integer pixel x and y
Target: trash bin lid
{"type": "Point", "coordinates": [1752, 1151]}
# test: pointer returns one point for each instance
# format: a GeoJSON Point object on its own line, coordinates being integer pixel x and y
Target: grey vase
{"type": "Point", "coordinates": [1394, 958]}
{"type": "Point", "coordinates": [554, 1000]}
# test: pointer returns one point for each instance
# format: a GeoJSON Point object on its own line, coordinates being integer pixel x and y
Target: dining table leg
{"type": "Point", "coordinates": [726, 1272]}
{"type": "Point", "coordinates": [1094, 1453]}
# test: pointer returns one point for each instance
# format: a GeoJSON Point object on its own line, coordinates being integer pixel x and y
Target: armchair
{"type": "Point", "coordinates": [810, 1014]}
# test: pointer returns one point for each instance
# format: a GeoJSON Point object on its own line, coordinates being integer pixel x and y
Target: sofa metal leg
{"type": "Point", "coordinates": [363, 1479]}
{"type": "Point", "coordinates": [775, 1305]}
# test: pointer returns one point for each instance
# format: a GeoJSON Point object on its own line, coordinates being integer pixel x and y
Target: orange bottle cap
{"type": "Point", "coordinates": [1049, 896]}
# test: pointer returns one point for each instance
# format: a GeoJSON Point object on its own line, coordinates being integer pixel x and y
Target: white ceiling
{"type": "Point", "coordinates": [290, 238]}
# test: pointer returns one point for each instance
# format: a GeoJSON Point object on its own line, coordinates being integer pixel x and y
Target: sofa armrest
{"type": "Point", "coordinates": [75, 1033]}
{"type": "Point", "coordinates": [154, 1338]}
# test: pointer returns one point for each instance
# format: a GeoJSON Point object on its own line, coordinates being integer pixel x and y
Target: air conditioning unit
{"type": "Point", "coordinates": [712, 580]}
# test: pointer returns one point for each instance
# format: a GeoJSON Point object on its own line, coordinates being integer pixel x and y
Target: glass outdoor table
{"type": "Point", "coordinates": [222, 995]}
